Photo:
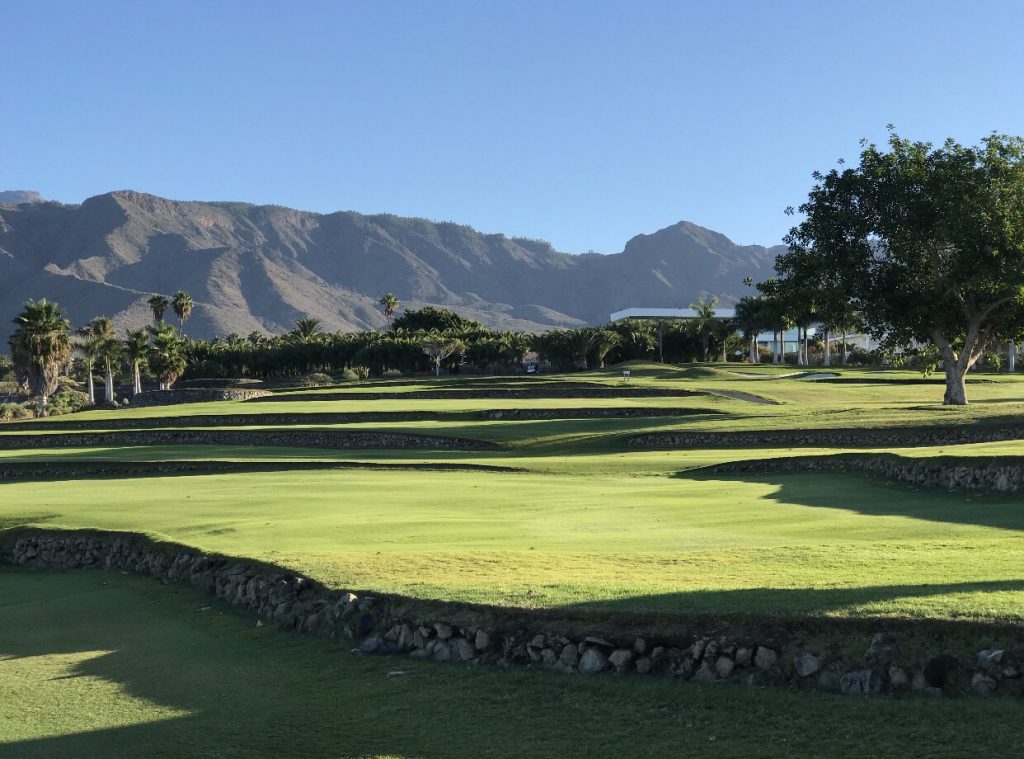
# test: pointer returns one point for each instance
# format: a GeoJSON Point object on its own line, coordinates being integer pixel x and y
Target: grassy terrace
{"type": "Point", "coordinates": [590, 524]}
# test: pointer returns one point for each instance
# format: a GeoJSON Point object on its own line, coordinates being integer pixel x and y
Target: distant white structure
{"type": "Point", "coordinates": [668, 313]}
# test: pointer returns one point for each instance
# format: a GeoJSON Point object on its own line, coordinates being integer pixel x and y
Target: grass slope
{"type": "Point", "coordinates": [96, 664]}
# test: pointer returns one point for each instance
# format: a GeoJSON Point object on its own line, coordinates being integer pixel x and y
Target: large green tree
{"type": "Point", "coordinates": [927, 241]}
{"type": "Point", "coordinates": [136, 353]}
{"type": "Point", "coordinates": [42, 343]}
{"type": "Point", "coordinates": [167, 358]}
{"type": "Point", "coordinates": [182, 304]}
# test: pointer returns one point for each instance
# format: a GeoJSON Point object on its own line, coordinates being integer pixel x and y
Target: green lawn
{"type": "Point", "coordinates": [98, 664]}
{"type": "Point", "coordinates": [591, 523]}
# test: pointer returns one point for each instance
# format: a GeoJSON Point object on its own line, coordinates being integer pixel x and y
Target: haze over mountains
{"type": "Point", "coordinates": [262, 267]}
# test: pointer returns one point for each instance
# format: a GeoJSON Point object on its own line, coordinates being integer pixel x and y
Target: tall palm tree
{"type": "Point", "coordinates": [255, 338]}
{"type": "Point", "coordinates": [390, 304]}
{"type": "Point", "coordinates": [158, 304]}
{"type": "Point", "coordinates": [42, 340]}
{"type": "Point", "coordinates": [305, 331]}
{"type": "Point", "coordinates": [136, 353]}
{"type": "Point", "coordinates": [101, 344]}
{"type": "Point", "coordinates": [704, 322]}
{"type": "Point", "coordinates": [90, 345]}
{"type": "Point", "coordinates": [167, 355]}
{"type": "Point", "coordinates": [182, 304]}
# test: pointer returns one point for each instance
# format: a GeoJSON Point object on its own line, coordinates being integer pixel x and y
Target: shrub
{"type": "Point", "coordinates": [12, 411]}
{"type": "Point", "coordinates": [66, 401]}
{"type": "Point", "coordinates": [316, 379]}
{"type": "Point", "coordinates": [391, 374]}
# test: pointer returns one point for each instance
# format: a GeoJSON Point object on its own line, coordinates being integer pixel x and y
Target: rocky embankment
{"type": "Point", "coordinates": [887, 437]}
{"type": "Point", "coordinates": [389, 625]}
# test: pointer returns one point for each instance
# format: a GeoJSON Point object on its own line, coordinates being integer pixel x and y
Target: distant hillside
{"type": "Point", "coordinates": [16, 197]}
{"type": "Point", "coordinates": [262, 267]}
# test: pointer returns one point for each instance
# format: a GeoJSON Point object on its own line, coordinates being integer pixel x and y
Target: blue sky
{"type": "Point", "coordinates": [583, 123]}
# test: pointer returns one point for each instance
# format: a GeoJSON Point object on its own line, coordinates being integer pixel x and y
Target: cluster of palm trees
{"type": "Point", "coordinates": [43, 347]}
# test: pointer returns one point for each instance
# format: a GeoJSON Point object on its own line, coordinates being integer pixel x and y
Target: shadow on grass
{"type": "Point", "coordinates": [874, 496]}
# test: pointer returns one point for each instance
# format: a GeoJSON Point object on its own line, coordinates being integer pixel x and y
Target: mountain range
{"type": "Point", "coordinates": [252, 267]}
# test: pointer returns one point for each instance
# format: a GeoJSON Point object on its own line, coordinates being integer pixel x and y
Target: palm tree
{"type": "Point", "coordinates": [167, 356]}
{"type": "Point", "coordinates": [305, 331]}
{"type": "Point", "coordinates": [750, 319]}
{"type": "Point", "coordinates": [255, 338]}
{"type": "Point", "coordinates": [704, 322]}
{"type": "Point", "coordinates": [42, 340]}
{"type": "Point", "coordinates": [182, 304]}
{"type": "Point", "coordinates": [390, 304]}
{"type": "Point", "coordinates": [99, 342]}
{"type": "Point", "coordinates": [158, 305]}
{"type": "Point", "coordinates": [136, 353]}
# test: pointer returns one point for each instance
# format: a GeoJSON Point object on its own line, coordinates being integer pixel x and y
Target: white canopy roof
{"type": "Point", "coordinates": [668, 313]}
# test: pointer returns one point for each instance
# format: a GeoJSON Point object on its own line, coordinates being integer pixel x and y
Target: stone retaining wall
{"type": "Point", "coordinates": [485, 394]}
{"type": "Point", "coordinates": [194, 395]}
{"type": "Point", "coordinates": [890, 437]}
{"type": "Point", "coordinates": [385, 626]}
{"type": "Point", "coordinates": [997, 476]}
{"type": "Point", "coordinates": [60, 469]}
{"type": "Point", "coordinates": [354, 417]}
{"type": "Point", "coordinates": [284, 438]}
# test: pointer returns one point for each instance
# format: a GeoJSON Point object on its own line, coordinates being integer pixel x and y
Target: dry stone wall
{"type": "Point", "coordinates": [377, 626]}
{"type": "Point", "coordinates": [889, 437]}
{"type": "Point", "coordinates": [997, 476]}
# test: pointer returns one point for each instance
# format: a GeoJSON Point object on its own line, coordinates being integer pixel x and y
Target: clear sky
{"type": "Point", "coordinates": [583, 122]}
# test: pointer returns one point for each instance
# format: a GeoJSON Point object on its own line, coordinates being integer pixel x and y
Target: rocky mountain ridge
{"type": "Point", "coordinates": [260, 268]}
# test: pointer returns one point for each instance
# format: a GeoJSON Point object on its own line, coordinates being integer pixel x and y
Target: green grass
{"type": "Point", "coordinates": [97, 664]}
{"type": "Point", "coordinates": [591, 524]}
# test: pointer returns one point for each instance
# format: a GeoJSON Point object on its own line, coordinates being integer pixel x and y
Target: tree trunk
{"type": "Point", "coordinates": [826, 359]}
{"type": "Point", "coordinates": [136, 374]}
{"type": "Point", "coordinates": [724, 356]}
{"type": "Point", "coordinates": [108, 384]}
{"type": "Point", "coordinates": [90, 386]}
{"type": "Point", "coordinates": [661, 344]}
{"type": "Point", "coordinates": [754, 358]}
{"type": "Point", "coordinates": [1011, 363]}
{"type": "Point", "coordinates": [807, 351]}
{"type": "Point", "coordinates": [956, 366]}
{"type": "Point", "coordinates": [845, 351]}
{"type": "Point", "coordinates": [42, 404]}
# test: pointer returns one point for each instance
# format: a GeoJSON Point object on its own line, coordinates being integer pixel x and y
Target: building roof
{"type": "Point", "coordinates": [668, 313]}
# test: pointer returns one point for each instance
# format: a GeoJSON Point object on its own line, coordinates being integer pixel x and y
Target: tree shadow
{"type": "Point", "coordinates": [877, 497]}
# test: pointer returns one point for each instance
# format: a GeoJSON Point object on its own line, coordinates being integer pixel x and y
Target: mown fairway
{"type": "Point", "coordinates": [580, 520]}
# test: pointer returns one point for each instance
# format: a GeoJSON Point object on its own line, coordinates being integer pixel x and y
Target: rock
{"type": "Point", "coordinates": [990, 662]}
{"type": "Point", "coordinates": [598, 642]}
{"type": "Point", "coordinates": [640, 646]}
{"type": "Point", "coordinates": [643, 666]}
{"type": "Point", "coordinates": [442, 651]}
{"type": "Point", "coordinates": [697, 650]}
{"type": "Point", "coordinates": [883, 650]}
{"type": "Point", "coordinates": [704, 674]}
{"type": "Point", "coordinates": [549, 657]}
{"type": "Point", "coordinates": [898, 677]}
{"type": "Point", "coordinates": [744, 655]}
{"type": "Point", "coordinates": [372, 645]}
{"type": "Point", "coordinates": [724, 666]}
{"type": "Point", "coordinates": [463, 649]}
{"type": "Point", "coordinates": [419, 653]}
{"type": "Point", "coordinates": [406, 638]}
{"type": "Point", "coordinates": [982, 684]}
{"type": "Point", "coordinates": [621, 659]}
{"type": "Point", "coordinates": [537, 642]}
{"type": "Point", "coordinates": [570, 655]}
{"type": "Point", "coordinates": [444, 632]}
{"type": "Point", "coordinates": [765, 658]}
{"type": "Point", "coordinates": [938, 670]}
{"type": "Point", "coordinates": [483, 640]}
{"type": "Point", "coordinates": [860, 682]}
{"type": "Point", "coordinates": [805, 663]}
{"type": "Point", "coordinates": [593, 661]}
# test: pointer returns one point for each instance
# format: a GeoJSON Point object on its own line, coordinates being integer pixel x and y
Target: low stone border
{"type": "Point", "coordinates": [385, 626]}
{"type": "Point", "coordinates": [354, 417]}
{"type": "Point", "coordinates": [54, 470]}
{"type": "Point", "coordinates": [996, 476]}
{"type": "Point", "coordinates": [284, 438]}
{"type": "Point", "coordinates": [905, 437]}
{"type": "Point", "coordinates": [194, 395]}
{"type": "Point", "coordinates": [485, 394]}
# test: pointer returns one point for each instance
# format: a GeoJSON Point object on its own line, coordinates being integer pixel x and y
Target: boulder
{"type": "Point", "coordinates": [704, 674]}
{"type": "Point", "coordinates": [549, 657]}
{"type": "Point", "coordinates": [483, 639]}
{"type": "Point", "coordinates": [883, 650]}
{"type": "Point", "coordinates": [621, 659]}
{"type": "Point", "coordinates": [570, 655]}
{"type": "Point", "coordinates": [860, 682]}
{"type": "Point", "coordinates": [443, 630]}
{"type": "Point", "coordinates": [805, 663]}
{"type": "Point", "coordinates": [765, 658]}
{"type": "Point", "coordinates": [724, 666]}
{"type": "Point", "coordinates": [982, 684]}
{"type": "Point", "coordinates": [462, 649]}
{"type": "Point", "coordinates": [898, 677]}
{"type": "Point", "coordinates": [593, 661]}
{"type": "Point", "coordinates": [644, 665]}
{"type": "Point", "coordinates": [990, 661]}
{"type": "Point", "coordinates": [442, 651]}
{"type": "Point", "coordinates": [744, 656]}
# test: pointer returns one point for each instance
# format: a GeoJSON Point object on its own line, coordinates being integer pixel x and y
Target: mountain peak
{"type": "Point", "coordinates": [17, 197]}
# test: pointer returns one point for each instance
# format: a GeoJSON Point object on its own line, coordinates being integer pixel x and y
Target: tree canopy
{"type": "Point", "coordinates": [925, 242]}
